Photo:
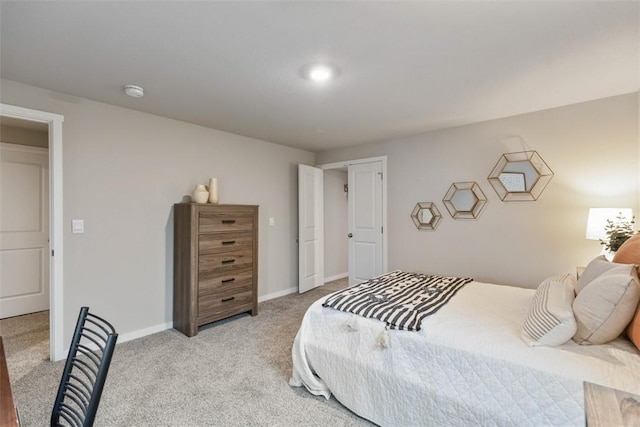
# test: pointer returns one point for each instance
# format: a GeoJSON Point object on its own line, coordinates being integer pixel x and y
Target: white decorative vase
{"type": "Point", "coordinates": [214, 197]}
{"type": "Point", "coordinates": [200, 194]}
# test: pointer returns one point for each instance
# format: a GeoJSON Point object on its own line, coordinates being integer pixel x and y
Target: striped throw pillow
{"type": "Point", "coordinates": [550, 319]}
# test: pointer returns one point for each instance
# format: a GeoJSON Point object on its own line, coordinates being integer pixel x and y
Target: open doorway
{"type": "Point", "coordinates": [24, 217]}
{"type": "Point", "coordinates": [32, 181]}
{"type": "Point", "coordinates": [366, 216]}
{"type": "Point", "coordinates": [366, 236]}
{"type": "Point", "coordinates": [24, 240]}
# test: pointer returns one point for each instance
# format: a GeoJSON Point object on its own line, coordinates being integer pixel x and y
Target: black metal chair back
{"type": "Point", "coordinates": [85, 371]}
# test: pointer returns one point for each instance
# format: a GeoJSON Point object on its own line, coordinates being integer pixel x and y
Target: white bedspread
{"type": "Point", "coordinates": [467, 366]}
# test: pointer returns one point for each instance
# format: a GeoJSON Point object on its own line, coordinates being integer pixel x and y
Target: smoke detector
{"type": "Point", "coordinates": [134, 91]}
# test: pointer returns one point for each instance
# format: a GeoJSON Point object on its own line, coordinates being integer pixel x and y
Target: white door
{"type": "Point", "coordinates": [310, 228]}
{"type": "Point", "coordinates": [24, 229]}
{"type": "Point", "coordinates": [365, 222]}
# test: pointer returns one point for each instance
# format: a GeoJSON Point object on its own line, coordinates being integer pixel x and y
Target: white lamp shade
{"type": "Point", "coordinates": [597, 220]}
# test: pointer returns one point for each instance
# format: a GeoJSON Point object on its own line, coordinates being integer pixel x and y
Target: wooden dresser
{"type": "Point", "coordinates": [215, 266]}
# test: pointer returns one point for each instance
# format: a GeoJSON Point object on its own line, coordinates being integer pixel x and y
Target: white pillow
{"type": "Point", "coordinates": [550, 318]}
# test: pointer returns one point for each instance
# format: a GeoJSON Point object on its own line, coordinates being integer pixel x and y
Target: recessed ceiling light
{"type": "Point", "coordinates": [320, 72]}
{"type": "Point", "coordinates": [134, 91]}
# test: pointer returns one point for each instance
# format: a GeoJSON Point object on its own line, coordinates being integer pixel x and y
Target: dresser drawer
{"type": "Point", "coordinates": [213, 282]}
{"type": "Point", "coordinates": [225, 262]}
{"type": "Point", "coordinates": [225, 221]}
{"type": "Point", "coordinates": [222, 242]}
{"type": "Point", "coordinates": [224, 303]}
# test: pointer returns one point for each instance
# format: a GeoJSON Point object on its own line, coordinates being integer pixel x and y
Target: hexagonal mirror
{"type": "Point", "coordinates": [426, 216]}
{"type": "Point", "coordinates": [519, 177]}
{"type": "Point", "coordinates": [465, 200]}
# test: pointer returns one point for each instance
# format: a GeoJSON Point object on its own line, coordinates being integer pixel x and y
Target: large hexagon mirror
{"type": "Point", "coordinates": [465, 200]}
{"type": "Point", "coordinates": [426, 216]}
{"type": "Point", "coordinates": [520, 177]}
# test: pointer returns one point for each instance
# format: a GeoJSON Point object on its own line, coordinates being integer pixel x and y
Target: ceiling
{"type": "Point", "coordinates": [405, 67]}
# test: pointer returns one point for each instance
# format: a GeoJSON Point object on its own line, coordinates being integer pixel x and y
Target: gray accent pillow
{"type": "Point", "coordinates": [605, 306]}
{"type": "Point", "coordinates": [597, 267]}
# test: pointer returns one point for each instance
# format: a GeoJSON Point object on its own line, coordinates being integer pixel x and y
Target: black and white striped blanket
{"type": "Point", "coordinates": [400, 299]}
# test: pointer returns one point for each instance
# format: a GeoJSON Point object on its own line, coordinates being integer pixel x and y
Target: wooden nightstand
{"type": "Point", "coordinates": [606, 407]}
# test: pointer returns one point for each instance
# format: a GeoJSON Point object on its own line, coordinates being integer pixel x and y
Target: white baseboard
{"type": "Point", "coordinates": [164, 326]}
{"type": "Point", "coordinates": [277, 294]}
{"type": "Point", "coordinates": [128, 336]}
{"type": "Point", "coordinates": [144, 332]}
{"type": "Point", "coordinates": [336, 277]}
{"type": "Point", "coordinates": [294, 289]}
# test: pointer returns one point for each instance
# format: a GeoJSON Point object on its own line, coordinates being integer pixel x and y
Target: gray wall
{"type": "Point", "coordinates": [17, 135]}
{"type": "Point", "coordinates": [123, 171]}
{"type": "Point", "coordinates": [592, 147]}
{"type": "Point", "coordinates": [335, 224]}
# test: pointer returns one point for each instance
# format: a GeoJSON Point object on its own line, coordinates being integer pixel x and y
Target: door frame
{"type": "Point", "coordinates": [54, 122]}
{"type": "Point", "coordinates": [383, 161]}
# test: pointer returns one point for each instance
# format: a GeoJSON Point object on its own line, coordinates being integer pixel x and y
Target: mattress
{"type": "Point", "coordinates": [466, 366]}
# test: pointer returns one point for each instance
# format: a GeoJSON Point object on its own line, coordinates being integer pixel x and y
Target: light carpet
{"type": "Point", "coordinates": [234, 372]}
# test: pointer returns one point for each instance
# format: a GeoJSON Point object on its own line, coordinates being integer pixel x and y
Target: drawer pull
{"type": "Point", "coordinates": [228, 280]}
{"type": "Point", "coordinates": [228, 221]}
{"type": "Point", "coordinates": [228, 261]}
{"type": "Point", "coordinates": [229, 242]}
{"type": "Point", "coordinates": [228, 299]}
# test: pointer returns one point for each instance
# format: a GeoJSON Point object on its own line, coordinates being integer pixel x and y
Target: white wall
{"type": "Point", "coordinates": [123, 171]}
{"type": "Point", "coordinates": [592, 147]}
{"type": "Point", "coordinates": [336, 257]}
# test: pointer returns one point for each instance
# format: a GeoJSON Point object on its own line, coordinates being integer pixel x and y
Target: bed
{"type": "Point", "coordinates": [467, 365]}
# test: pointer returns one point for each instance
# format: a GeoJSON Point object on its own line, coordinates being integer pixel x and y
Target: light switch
{"type": "Point", "coordinates": [77, 226]}
{"type": "Point", "coordinates": [272, 221]}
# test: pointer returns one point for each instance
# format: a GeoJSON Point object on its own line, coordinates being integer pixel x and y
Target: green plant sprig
{"type": "Point", "coordinates": [618, 232]}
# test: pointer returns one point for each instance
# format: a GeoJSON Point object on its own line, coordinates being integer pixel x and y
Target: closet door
{"type": "Point", "coordinates": [365, 222]}
{"type": "Point", "coordinates": [24, 229]}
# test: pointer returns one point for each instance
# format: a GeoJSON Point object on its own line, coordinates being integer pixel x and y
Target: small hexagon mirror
{"type": "Point", "coordinates": [465, 200]}
{"type": "Point", "coordinates": [520, 177]}
{"type": "Point", "coordinates": [426, 216]}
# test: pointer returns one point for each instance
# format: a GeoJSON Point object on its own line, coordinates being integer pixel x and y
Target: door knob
{"type": "Point", "coordinates": [350, 235]}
